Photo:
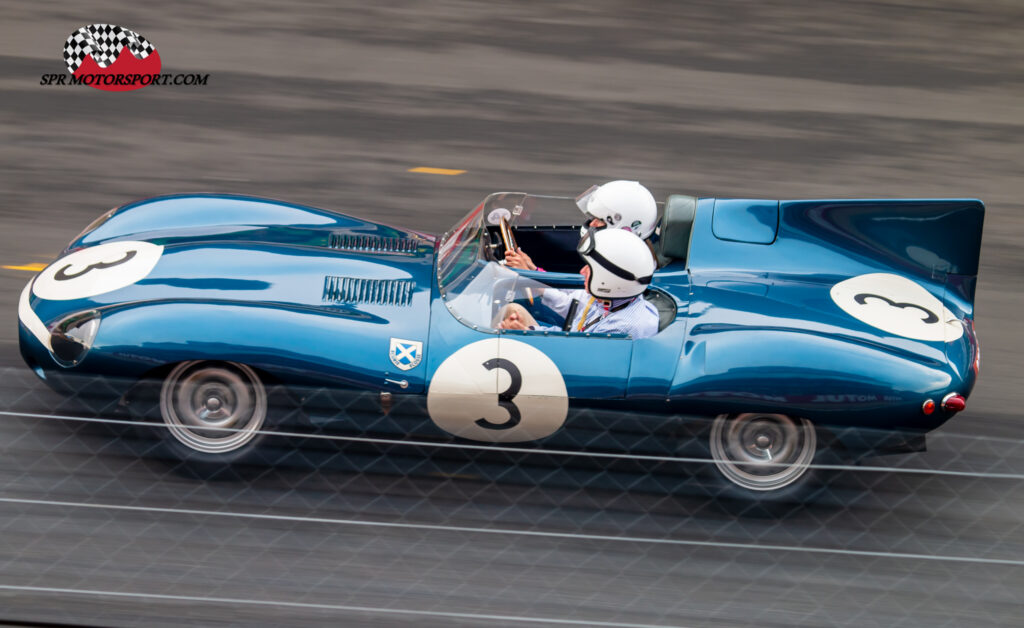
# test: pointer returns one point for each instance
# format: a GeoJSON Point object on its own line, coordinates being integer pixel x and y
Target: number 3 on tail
{"type": "Point", "coordinates": [897, 305]}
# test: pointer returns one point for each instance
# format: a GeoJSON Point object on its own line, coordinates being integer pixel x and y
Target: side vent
{"type": "Point", "coordinates": [396, 292]}
{"type": "Point", "coordinates": [371, 244]}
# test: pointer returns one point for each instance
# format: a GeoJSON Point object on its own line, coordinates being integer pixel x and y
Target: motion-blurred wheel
{"type": "Point", "coordinates": [766, 458]}
{"type": "Point", "coordinates": [213, 412]}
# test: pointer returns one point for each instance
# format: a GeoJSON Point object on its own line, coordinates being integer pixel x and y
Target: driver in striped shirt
{"type": "Point", "coordinates": [618, 269]}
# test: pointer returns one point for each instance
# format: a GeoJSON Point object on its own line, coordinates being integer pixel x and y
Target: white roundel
{"type": "Point", "coordinates": [97, 269]}
{"type": "Point", "coordinates": [498, 390]}
{"type": "Point", "coordinates": [898, 306]}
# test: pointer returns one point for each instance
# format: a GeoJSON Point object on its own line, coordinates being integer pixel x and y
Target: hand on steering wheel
{"type": "Point", "coordinates": [519, 259]}
{"type": "Point", "coordinates": [508, 240]}
{"type": "Point", "coordinates": [514, 256]}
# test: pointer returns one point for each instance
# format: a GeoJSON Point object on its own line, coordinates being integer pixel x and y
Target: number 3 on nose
{"type": "Point", "coordinates": [63, 275]}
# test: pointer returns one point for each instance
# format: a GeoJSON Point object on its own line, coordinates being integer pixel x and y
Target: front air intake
{"type": "Point", "coordinates": [371, 244]}
{"type": "Point", "coordinates": [394, 292]}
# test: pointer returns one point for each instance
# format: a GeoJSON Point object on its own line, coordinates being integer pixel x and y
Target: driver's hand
{"type": "Point", "coordinates": [519, 259]}
{"type": "Point", "coordinates": [512, 321]}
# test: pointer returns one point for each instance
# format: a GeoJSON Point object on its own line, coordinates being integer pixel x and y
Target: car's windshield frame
{"type": "Point", "coordinates": [472, 283]}
{"type": "Point", "coordinates": [465, 243]}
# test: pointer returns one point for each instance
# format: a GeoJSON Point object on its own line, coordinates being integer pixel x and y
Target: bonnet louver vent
{"type": "Point", "coordinates": [371, 244]}
{"type": "Point", "coordinates": [396, 292]}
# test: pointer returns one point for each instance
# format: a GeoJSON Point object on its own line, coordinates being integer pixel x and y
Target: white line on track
{"type": "Point", "coordinates": [513, 532]}
{"type": "Point", "coordinates": [330, 607]}
{"type": "Point", "coordinates": [529, 450]}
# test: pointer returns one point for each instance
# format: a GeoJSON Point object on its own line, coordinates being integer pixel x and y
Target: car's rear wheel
{"type": "Point", "coordinates": [212, 412]}
{"type": "Point", "coordinates": [767, 462]}
{"type": "Point", "coordinates": [762, 452]}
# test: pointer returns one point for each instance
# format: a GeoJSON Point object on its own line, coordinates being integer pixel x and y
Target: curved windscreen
{"type": "Point", "coordinates": [474, 286]}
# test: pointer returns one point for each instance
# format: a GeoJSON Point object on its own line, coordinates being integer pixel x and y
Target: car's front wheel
{"type": "Point", "coordinates": [212, 412]}
{"type": "Point", "coordinates": [767, 457]}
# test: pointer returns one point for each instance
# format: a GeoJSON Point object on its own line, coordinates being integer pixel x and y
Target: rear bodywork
{"type": "Point", "coordinates": [766, 331]}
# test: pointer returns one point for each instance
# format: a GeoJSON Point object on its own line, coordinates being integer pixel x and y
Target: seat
{"type": "Point", "coordinates": [666, 307]}
{"type": "Point", "coordinates": [676, 225]}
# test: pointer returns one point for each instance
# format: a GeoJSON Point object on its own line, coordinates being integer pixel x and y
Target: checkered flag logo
{"type": "Point", "coordinates": [104, 42]}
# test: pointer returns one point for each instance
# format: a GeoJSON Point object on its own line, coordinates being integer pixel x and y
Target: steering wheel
{"type": "Point", "coordinates": [507, 239]}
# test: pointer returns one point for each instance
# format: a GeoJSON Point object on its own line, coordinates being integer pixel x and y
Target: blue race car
{"type": "Point", "coordinates": [783, 324]}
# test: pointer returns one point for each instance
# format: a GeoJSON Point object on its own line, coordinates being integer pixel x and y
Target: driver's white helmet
{"type": "Point", "coordinates": [621, 205]}
{"type": "Point", "coordinates": [620, 263]}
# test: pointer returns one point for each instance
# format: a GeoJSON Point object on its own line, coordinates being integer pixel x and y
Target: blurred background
{"type": "Point", "coordinates": [331, 104]}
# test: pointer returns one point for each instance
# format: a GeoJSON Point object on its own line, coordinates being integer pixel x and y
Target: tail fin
{"type": "Point", "coordinates": [936, 239]}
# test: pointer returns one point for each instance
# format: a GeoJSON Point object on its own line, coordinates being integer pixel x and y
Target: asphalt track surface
{"type": "Point", "coordinates": [331, 106]}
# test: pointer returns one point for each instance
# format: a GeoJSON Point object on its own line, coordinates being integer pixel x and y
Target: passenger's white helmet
{"type": "Point", "coordinates": [621, 205]}
{"type": "Point", "coordinates": [620, 263]}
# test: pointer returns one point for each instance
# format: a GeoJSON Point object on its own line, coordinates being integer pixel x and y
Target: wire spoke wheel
{"type": "Point", "coordinates": [762, 452]}
{"type": "Point", "coordinates": [213, 408]}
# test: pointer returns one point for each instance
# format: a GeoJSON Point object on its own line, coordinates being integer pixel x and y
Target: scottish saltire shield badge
{"type": "Point", "coordinates": [405, 354]}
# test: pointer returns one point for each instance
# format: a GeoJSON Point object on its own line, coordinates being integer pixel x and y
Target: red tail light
{"type": "Point", "coordinates": [953, 402]}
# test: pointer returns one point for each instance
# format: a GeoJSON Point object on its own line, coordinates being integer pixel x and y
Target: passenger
{"type": "Point", "coordinates": [618, 269]}
{"type": "Point", "coordinates": [617, 204]}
